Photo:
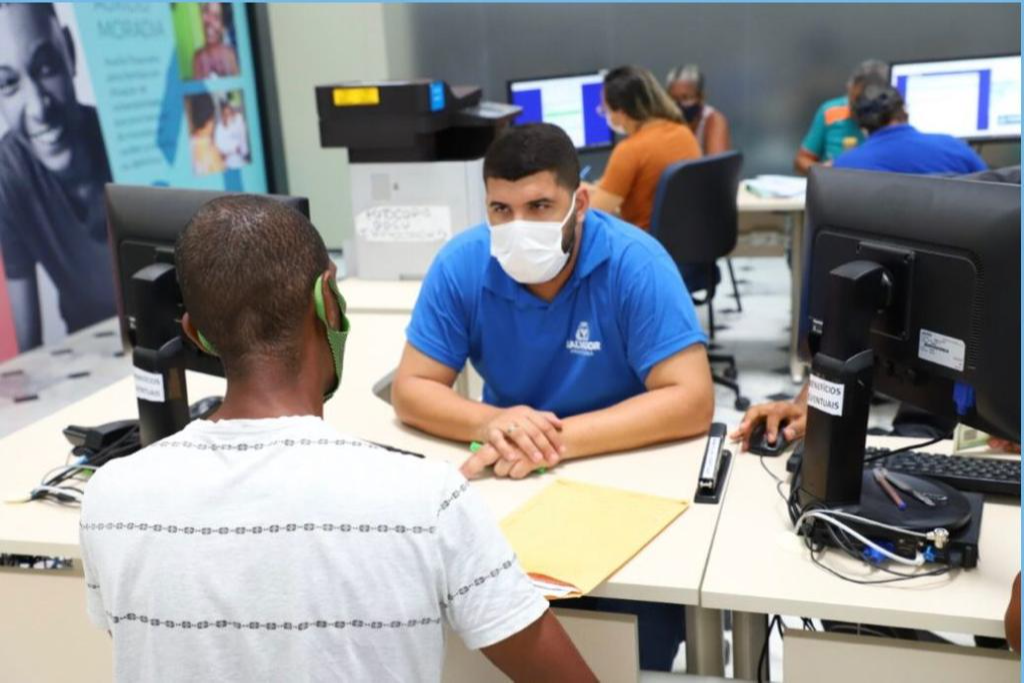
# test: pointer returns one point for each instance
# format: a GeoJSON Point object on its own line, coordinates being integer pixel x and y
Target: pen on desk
{"type": "Point", "coordinates": [884, 484]}
{"type": "Point", "coordinates": [584, 172]}
{"type": "Point", "coordinates": [476, 445]}
{"type": "Point", "coordinates": [902, 485]}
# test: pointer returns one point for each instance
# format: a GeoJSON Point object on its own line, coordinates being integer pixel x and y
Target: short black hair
{"type": "Point", "coordinates": [201, 109]}
{"type": "Point", "coordinates": [877, 106]}
{"type": "Point", "coordinates": [246, 266]}
{"type": "Point", "coordinates": [524, 150]}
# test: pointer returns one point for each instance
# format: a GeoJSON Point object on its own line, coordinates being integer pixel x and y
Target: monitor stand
{"type": "Point", "coordinates": [832, 473]}
{"type": "Point", "coordinates": [159, 355]}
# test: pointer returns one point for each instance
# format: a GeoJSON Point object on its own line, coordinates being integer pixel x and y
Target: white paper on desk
{"type": "Point", "coordinates": [777, 186]}
{"type": "Point", "coordinates": [405, 223]}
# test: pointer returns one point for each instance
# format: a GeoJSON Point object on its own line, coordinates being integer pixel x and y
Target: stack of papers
{"type": "Point", "coordinates": [778, 186]}
{"type": "Point", "coordinates": [572, 536]}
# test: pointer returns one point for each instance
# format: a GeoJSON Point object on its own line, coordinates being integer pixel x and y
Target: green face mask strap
{"type": "Point", "coordinates": [205, 344]}
{"type": "Point", "coordinates": [335, 338]}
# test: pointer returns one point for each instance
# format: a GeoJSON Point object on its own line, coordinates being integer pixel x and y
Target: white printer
{"type": "Point", "coordinates": [416, 162]}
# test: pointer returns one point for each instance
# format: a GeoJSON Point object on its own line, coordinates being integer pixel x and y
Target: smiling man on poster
{"type": "Point", "coordinates": [53, 166]}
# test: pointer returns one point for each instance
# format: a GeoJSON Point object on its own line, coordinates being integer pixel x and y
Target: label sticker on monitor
{"type": "Point", "coordinates": [942, 350]}
{"type": "Point", "coordinates": [149, 386]}
{"type": "Point", "coordinates": [826, 396]}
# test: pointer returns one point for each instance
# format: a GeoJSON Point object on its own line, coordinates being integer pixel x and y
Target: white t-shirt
{"type": "Point", "coordinates": [281, 550]}
{"type": "Point", "coordinates": [232, 140]}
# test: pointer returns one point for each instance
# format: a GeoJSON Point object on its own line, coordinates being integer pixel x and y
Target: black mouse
{"type": "Point", "coordinates": [758, 441]}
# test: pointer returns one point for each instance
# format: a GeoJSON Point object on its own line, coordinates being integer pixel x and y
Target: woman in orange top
{"type": "Point", "coordinates": [656, 137]}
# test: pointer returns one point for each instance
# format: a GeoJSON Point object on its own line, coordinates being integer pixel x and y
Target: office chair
{"type": "Point", "coordinates": [696, 220]}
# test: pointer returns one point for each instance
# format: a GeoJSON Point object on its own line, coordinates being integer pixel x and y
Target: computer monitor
{"type": "Point", "coordinates": [975, 99]}
{"type": "Point", "coordinates": [143, 224]}
{"type": "Point", "coordinates": [573, 103]}
{"type": "Point", "coordinates": [914, 291]}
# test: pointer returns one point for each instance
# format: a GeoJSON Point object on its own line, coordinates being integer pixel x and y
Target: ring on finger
{"type": "Point", "coordinates": [511, 429]}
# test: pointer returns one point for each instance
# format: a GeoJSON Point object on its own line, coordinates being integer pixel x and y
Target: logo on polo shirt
{"type": "Point", "coordinates": [582, 345]}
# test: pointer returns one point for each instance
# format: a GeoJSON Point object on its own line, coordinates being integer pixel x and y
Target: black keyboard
{"type": "Point", "coordinates": [965, 473]}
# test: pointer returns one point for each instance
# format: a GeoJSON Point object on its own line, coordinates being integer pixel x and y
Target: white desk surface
{"type": "Point", "coordinates": [758, 564]}
{"type": "Point", "coordinates": [670, 569]}
{"type": "Point", "coordinates": [748, 202]}
{"type": "Point", "coordinates": [379, 296]}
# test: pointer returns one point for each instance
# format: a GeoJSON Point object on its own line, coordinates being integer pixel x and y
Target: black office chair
{"type": "Point", "coordinates": [695, 219]}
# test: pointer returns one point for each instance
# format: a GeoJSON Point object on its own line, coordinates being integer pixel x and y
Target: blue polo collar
{"type": "Point", "coordinates": [594, 250]}
{"type": "Point", "coordinates": [894, 129]}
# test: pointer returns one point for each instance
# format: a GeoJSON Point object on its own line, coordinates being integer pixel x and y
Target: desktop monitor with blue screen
{"type": "Point", "coordinates": [573, 103]}
{"type": "Point", "coordinates": [975, 99]}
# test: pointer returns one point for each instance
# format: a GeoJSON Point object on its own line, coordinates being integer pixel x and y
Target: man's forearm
{"type": "Point", "coordinates": [655, 416]}
{"type": "Point", "coordinates": [437, 409]}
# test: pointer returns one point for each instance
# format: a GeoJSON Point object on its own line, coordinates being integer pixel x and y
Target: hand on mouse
{"type": "Point", "coordinates": [795, 412]}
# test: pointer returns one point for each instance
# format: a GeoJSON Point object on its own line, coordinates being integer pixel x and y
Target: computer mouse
{"type": "Point", "coordinates": [204, 407]}
{"type": "Point", "coordinates": [759, 444]}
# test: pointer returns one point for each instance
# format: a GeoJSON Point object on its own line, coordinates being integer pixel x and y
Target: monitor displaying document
{"type": "Point", "coordinates": [973, 99]}
{"type": "Point", "coordinates": [572, 103]}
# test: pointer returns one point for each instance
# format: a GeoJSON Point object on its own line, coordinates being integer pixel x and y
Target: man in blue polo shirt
{"type": "Point", "coordinates": [894, 145]}
{"type": "Point", "coordinates": [579, 324]}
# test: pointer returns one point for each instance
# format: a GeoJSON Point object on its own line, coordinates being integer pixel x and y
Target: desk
{"type": "Point", "coordinates": [759, 565]}
{"type": "Point", "coordinates": [670, 569]}
{"type": "Point", "coordinates": [792, 210]}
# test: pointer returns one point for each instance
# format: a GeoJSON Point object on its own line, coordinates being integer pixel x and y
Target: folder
{"type": "Point", "coordinates": [572, 536]}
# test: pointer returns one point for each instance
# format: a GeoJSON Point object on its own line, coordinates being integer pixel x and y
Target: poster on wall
{"type": "Point", "coordinates": [146, 94]}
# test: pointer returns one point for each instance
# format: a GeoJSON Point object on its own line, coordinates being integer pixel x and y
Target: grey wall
{"type": "Point", "coordinates": [311, 45]}
{"type": "Point", "coordinates": [768, 66]}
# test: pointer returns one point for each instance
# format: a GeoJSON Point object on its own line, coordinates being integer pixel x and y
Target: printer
{"type": "Point", "coordinates": [416, 162]}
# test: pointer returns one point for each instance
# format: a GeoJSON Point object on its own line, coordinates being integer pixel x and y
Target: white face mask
{"type": "Point", "coordinates": [531, 251]}
{"type": "Point", "coordinates": [618, 130]}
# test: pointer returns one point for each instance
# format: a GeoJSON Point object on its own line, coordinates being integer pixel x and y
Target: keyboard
{"type": "Point", "coordinates": [965, 473]}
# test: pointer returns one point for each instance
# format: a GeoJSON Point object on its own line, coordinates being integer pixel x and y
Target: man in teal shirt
{"type": "Point", "coordinates": [833, 129]}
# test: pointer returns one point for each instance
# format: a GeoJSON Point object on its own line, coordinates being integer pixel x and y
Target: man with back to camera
{"type": "Point", "coordinates": [833, 128]}
{"type": "Point", "coordinates": [895, 146]}
{"type": "Point", "coordinates": [580, 326]}
{"type": "Point", "coordinates": [261, 544]}
{"type": "Point", "coordinates": [52, 170]}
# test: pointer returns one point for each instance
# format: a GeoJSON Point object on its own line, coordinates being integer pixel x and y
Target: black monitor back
{"type": "Point", "coordinates": [953, 247]}
{"type": "Point", "coordinates": [143, 224]}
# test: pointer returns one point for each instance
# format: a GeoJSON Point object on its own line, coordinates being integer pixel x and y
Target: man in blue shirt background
{"type": "Point", "coordinates": [894, 145]}
{"type": "Point", "coordinates": [579, 324]}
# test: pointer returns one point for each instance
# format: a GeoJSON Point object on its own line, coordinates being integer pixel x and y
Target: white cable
{"type": "Point", "coordinates": [67, 468]}
{"type": "Point", "coordinates": [880, 525]}
{"type": "Point", "coordinates": [59, 490]}
{"type": "Point", "coordinates": [825, 517]}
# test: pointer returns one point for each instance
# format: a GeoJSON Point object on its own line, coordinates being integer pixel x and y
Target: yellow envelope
{"type": "Point", "coordinates": [572, 536]}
